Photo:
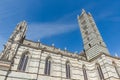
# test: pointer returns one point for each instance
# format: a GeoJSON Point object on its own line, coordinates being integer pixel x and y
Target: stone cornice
{"type": "Point", "coordinates": [51, 49]}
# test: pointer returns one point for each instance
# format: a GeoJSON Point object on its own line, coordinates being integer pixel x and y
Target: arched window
{"type": "Point", "coordinates": [20, 27]}
{"type": "Point", "coordinates": [116, 69]}
{"type": "Point", "coordinates": [84, 72]}
{"type": "Point", "coordinates": [100, 71]}
{"type": "Point", "coordinates": [90, 45]}
{"type": "Point", "coordinates": [68, 70]}
{"type": "Point", "coordinates": [23, 62]}
{"type": "Point", "coordinates": [48, 66]}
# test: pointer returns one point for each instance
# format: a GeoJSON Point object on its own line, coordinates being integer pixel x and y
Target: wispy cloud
{"type": "Point", "coordinates": [40, 30]}
{"type": "Point", "coordinates": [62, 25]}
{"type": "Point", "coordinates": [104, 15]}
{"type": "Point", "coordinates": [108, 15]}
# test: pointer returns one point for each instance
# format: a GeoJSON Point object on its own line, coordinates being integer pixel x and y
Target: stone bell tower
{"type": "Point", "coordinates": [92, 40]}
{"type": "Point", "coordinates": [13, 43]}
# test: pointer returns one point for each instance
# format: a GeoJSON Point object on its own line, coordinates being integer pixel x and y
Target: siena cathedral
{"type": "Point", "coordinates": [23, 59]}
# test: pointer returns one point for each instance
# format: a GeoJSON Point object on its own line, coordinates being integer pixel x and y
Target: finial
{"type": "Point", "coordinates": [24, 21]}
{"type": "Point", "coordinates": [116, 54]}
{"type": "Point", "coordinates": [38, 40]}
{"type": "Point", "coordinates": [89, 13]}
{"type": "Point", "coordinates": [76, 52]}
{"type": "Point", "coordinates": [65, 48]}
{"type": "Point", "coordinates": [58, 49]}
{"type": "Point", "coordinates": [77, 16]}
{"type": "Point", "coordinates": [83, 11]}
{"type": "Point", "coordinates": [53, 44]}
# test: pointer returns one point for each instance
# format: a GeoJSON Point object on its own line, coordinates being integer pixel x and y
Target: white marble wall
{"type": "Point", "coordinates": [36, 65]}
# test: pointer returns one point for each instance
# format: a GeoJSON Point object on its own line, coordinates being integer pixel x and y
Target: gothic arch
{"type": "Point", "coordinates": [84, 72]}
{"type": "Point", "coordinates": [23, 61]}
{"type": "Point", "coordinates": [99, 70]}
{"type": "Point", "coordinates": [68, 69]}
{"type": "Point", "coordinates": [48, 63]}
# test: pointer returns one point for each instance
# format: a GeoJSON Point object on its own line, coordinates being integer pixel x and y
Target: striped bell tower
{"type": "Point", "coordinates": [92, 39]}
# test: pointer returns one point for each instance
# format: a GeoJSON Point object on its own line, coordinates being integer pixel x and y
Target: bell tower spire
{"type": "Point", "coordinates": [19, 32]}
{"type": "Point", "coordinates": [92, 39]}
{"type": "Point", "coordinates": [15, 39]}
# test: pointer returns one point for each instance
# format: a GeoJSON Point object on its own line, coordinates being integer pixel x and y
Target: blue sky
{"type": "Point", "coordinates": [55, 21]}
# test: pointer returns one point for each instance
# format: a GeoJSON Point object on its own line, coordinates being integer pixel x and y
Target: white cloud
{"type": "Point", "coordinates": [104, 14]}
{"type": "Point", "coordinates": [60, 26]}
{"type": "Point", "coordinates": [40, 30]}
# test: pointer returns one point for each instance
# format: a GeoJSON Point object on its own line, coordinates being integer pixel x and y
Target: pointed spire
{"type": "Point", "coordinates": [23, 23]}
{"type": "Point", "coordinates": [116, 55]}
{"type": "Point", "coordinates": [83, 11]}
{"type": "Point", "coordinates": [53, 44]}
{"type": "Point", "coordinates": [89, 13]}
{"type": "Point", "coordinates": [76, 52]}
{"type": "Point", "coordinates": [38, 40]}
{"type": "Point", "coordinates": [59, 49]}
{"type": "Point", "coordinates": [78, 16]}
{"type": "Point", "coordinates": [65, 48]}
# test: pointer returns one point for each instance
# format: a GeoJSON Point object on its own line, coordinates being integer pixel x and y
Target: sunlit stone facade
{"type": "Point", "coordinates": [24, 59]}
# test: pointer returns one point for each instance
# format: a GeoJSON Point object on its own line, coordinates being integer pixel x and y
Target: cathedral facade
{"type": "Point", "coordinates": [23, 59]}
